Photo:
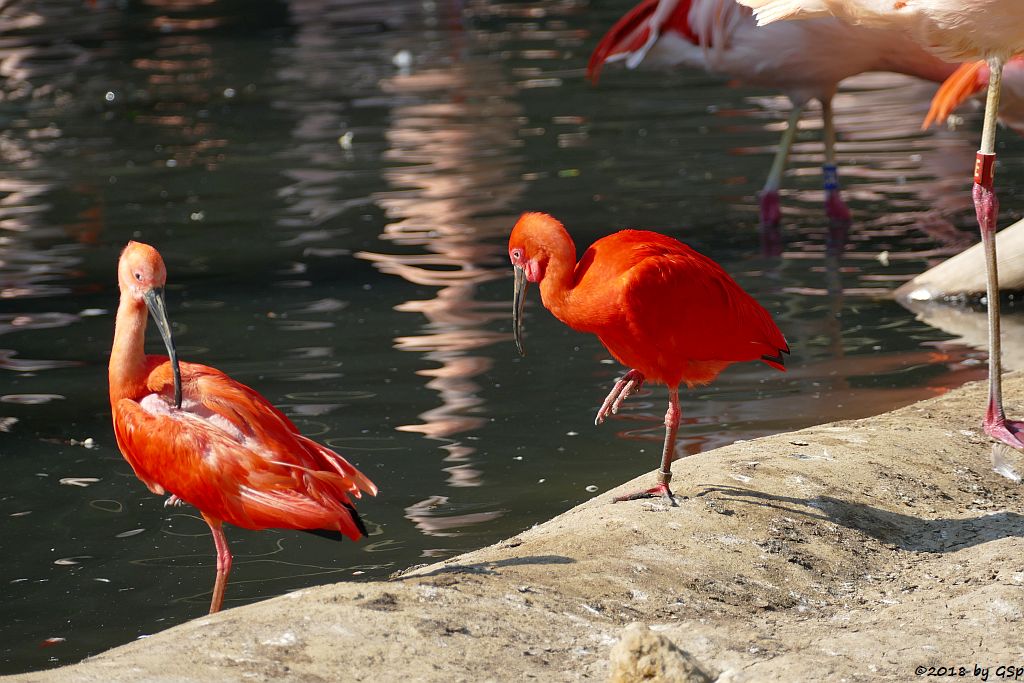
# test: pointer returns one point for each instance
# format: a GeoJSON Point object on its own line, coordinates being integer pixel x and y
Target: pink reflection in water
{"type": "Point", "coordinates": [454, 152]}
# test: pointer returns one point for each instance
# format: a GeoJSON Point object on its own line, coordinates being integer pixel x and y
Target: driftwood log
{"type": "Point", "coordinates": [964, 274]}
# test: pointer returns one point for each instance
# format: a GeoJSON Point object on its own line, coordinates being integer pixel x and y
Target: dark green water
{"type": "Point", "coordinates": [334, 228]}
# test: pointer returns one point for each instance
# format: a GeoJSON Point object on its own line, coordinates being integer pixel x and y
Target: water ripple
{"type": "Point", "coordinates": [31, 399]}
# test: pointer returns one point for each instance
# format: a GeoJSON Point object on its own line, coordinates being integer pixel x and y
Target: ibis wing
{"type": "Point", "coordinates": [183, 455]}
{"type": "Point", "coordinates": [233, 401]}
{"type": "Point", "coordinates": [233, 455]}
{"type": "Point", "coordinates": [246, 409]}
{"type": "Point", "coordinates": [695, 310]}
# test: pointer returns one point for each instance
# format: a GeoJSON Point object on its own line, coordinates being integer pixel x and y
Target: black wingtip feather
{"type": "Point", "coordinates": [329, 534]}
{"type": "Point", "coordinates": [334, 534]}
{"type": "Point", "coordinates": [357, 519]}
{"type": "Point", "coordinates": [778, 357]}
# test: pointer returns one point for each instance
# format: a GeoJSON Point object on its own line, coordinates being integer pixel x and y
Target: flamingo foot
{"type": "Point", "coordinates": [629, 383]}
{"type": "Point", "coordinates": [771, 219]}
{"type": "Point", "coordinates": [1009, 432]}
{"type": "Point", "coordinates": [839, 221]}
{"type": "Point", "coordinates": [771, 208]}
{"type": "Point", "coordinates": [173, 502]}
{"type": "Point", "coordinates": [661, 490]}
{"type": "Point", "coordinates": [835, 208]}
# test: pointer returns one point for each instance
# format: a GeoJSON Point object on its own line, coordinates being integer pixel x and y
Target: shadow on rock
{"type": "Point", "coordinates": [489, 567]}
{"type": "Point", "coordinates": [907, 532]}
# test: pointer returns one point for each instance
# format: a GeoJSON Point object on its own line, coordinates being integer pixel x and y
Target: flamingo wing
{"type": "Point", "coordinates": [873, 13]}
{"type": "Point", "coordinates": [971, 78]}
{"type": "Point", "coordinates": [235, 457]}
{"type": "Point", "coordinates": [632, 36]}
{"type": "Point", "coordinates": [768, 11]}
{"type": "Point", "coordinates": [968, 79]}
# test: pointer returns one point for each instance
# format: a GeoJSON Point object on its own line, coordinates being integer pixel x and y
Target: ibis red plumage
{"type": "Point", "coordinates": [191, 431]}
{"type": "Point", "coordinates": [670, 314]}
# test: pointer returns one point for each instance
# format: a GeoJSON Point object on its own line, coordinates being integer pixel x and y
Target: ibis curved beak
{"type": "Point", "coordinates": [158, 308]}
{"type": "Point", "coordinates": [518, 301]}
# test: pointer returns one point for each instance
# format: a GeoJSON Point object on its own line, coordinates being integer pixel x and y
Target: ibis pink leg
{"type": "Point", "coordinates": [668, 454]}
{"type": "Point", "coordinates": [629, 383]}
{"type": "Point", "coordinates": [223, 563]}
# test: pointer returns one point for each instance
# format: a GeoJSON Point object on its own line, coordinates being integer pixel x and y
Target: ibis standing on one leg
{"type": "Point", "coordinates": [667, 312]}
{"type": "Point", "coordinates": [191, 431]}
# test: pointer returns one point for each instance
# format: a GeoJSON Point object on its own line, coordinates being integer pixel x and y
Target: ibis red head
{"type": "Point", "coordinates": [529, 249]}
{"type": "Point", "coordinates": [141, 276]}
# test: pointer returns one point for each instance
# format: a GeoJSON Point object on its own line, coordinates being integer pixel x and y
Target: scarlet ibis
{"type": "Point", "coordinates": [992, 30]}
{"type": "Point", "coordinates": [806, 61]}
{"type": "Point", "coordinates": [191, 431]}
{"type": "Point", "coordinates": [663, 310]}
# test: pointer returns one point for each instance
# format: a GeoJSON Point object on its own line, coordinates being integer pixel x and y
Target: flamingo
{"type": "Point", "coordinates": [992, 30]}
{"type": "Point", "coordinates": [192, 431]}
{"type": "Point", "coordinates": [806, 61]}
{"type": "Point", "coordinates": [667, 312]}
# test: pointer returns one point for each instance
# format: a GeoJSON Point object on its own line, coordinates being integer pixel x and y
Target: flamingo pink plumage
{"type": "Point", "coordinates": [992, 30]}
{"type": "Point", "coordinates": [806, 61]}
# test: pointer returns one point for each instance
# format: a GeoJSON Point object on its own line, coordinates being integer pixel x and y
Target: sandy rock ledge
{"type": "Point", "coordinates": [858, 550]}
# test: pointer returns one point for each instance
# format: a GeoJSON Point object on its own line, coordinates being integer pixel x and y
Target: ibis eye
{"type": "Point", "coordinates": [517, 254]}
{"type": "Point", "coordinates": [138, 276]}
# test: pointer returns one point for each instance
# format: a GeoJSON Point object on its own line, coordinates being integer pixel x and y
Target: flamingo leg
{"type": "Point", "coordinates": [668, 454]}
{"type": "Point", "coordinates": [223, 563]}
{"type": "Point", "coordinates": [986, 204]}
{"type": "Point", "coordinates": [771, 210]}
{"type": "Point", "coordinates": [835, 208]}
{"type": "Point", "coordinates": [627, 384]}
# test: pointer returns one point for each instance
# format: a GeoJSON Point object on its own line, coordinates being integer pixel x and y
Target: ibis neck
{"type": "Point", "coordinates": [127, 369]}
{"type": "Point", "coordinates": [559, 274]}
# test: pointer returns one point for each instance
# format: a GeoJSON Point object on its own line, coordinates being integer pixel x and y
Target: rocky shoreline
{"type": "Point", "coordinates": [861, 550]}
